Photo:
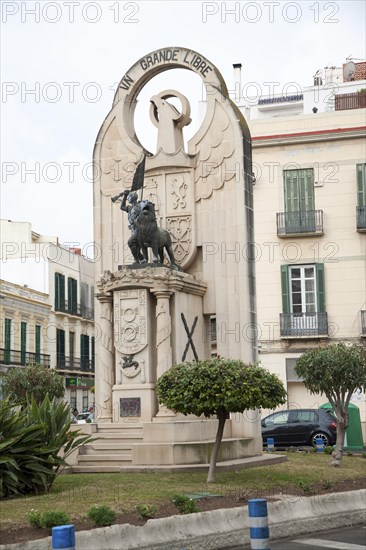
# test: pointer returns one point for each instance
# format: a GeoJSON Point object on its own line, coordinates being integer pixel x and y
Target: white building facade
{"type": "Point", "coordinates": [65, 280]}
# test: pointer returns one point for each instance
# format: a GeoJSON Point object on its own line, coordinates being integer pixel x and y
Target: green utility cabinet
{"type": "Point", "coordinates": [353, 440]}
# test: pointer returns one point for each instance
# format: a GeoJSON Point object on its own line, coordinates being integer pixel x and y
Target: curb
{"type": "Point", "coordinates": [220, 529]}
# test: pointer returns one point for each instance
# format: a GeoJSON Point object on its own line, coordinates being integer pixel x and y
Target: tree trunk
{"type": "Point", "coordinates": [222, 416]}
{"type": "Point", "coordinates": [336, 460]}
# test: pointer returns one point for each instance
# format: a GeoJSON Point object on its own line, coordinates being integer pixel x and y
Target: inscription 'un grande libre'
{"type": "Point", "coordinates": [193, 60]}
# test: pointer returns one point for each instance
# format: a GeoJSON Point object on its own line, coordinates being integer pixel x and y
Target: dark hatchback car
{"type": "Point", "coordinates": [299, 427]}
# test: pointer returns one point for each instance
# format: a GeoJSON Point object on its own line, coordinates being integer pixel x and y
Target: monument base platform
{"type": "Point", "coordinates": [177, 443]}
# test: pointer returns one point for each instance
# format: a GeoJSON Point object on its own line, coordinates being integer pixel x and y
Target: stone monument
{"type": "Point", "coordinates": [153, 314]}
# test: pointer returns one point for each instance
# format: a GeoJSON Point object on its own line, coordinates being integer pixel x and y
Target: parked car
{"type": "Point", "coordinates": [85, 418]}
{"type": "Point", "coordinates": [300, 427]}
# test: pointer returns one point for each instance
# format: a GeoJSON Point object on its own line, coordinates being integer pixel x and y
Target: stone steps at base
{"type": "Point", "coordinates": [105, 459]}
{"type": "Point", "coordinates": [129, 437]}
{"type": "Point", "coordinates": [230, 465]}
{"type": "Point", "coordinates": [95, 469]}
{"type": "Point", "coordinates": [114, 427]}
{"type": "Point", "coordinates": [107, 447]}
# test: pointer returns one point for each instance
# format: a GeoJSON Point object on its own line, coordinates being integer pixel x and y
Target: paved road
{"type": "Point", "coordinates": [347, 538]}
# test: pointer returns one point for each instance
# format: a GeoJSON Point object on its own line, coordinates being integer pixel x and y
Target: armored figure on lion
{"type": "Point", "coordinates": [145, 232]}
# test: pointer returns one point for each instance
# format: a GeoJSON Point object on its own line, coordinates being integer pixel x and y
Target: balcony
{"type": "Point", "coordinates": [18, 358]}
{"type": "Point", "coordinates": [361, 218]}
{"type": "Point", "coordinates": [75, 309]}
{"type": "Point", "coordinates": [74, 364]}
{"type": "Point", "coordinates": [363, 323]}
{"type": "Point", "coordinates": [300, 325]}
{"type": "Point", "coordinates": [302, 223]}
{"type": "Point", "coordinates": [344, 102]}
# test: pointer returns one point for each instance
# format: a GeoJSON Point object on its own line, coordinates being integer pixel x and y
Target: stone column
{"type": "Point", "coordinates": [105, 362]}
{"type": "Point", "coordinates": [164, 354]}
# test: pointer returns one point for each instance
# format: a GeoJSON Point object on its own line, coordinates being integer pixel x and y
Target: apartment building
{"type": "Point", "coordinates": [310, 226]}
{"type": "Point", "coordinates": [47, 310]}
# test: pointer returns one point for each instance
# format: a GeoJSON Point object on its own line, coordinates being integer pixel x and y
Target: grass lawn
{"type": "Point", "coordinates": [75, 494]}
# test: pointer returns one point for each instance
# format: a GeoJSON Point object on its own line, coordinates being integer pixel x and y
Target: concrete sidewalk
{"type": "Point", "coordinates": [220, 529]}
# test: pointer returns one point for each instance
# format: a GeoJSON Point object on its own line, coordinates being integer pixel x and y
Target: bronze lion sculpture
{"type": "Point", "coordinates": [150, 235]}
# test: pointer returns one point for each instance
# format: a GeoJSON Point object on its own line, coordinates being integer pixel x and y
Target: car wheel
{"type": "Point", "coordinates": [322, 436]}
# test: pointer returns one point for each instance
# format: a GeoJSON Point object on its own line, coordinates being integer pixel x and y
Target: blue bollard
{"type": "Point", "coordinates": [63, 537]}
{"type": "Point", "coordinates": [270, 444]}
{"type": "Point", "coordinates": [258, 524]}
{"type": "Point", "coordinates": [319, 445]}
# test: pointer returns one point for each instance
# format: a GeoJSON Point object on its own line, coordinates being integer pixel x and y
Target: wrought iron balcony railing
{"type": "Point", "coordinates": [300, 223]}
{"type": "Point", "coordinates": [75, 309]}
{"type": "Point", "coordinates": [74, 363]}
{"type": "Point", "coordinates": [361, 218]}
{"type": "Point", "coordinates": [23, 358]}
{"type": "Point", "coordinates": [303, 324]}
{"type": "Point", "coordinates": [363, 322]}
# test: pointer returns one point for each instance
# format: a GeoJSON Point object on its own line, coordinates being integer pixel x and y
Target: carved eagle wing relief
{"type": "Point", "coordinates": [119, 159]}
{"type": "Point", "coordinates": [215, 154]}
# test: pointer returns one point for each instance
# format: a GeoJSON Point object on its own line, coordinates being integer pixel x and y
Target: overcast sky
{"type": "Point", "coordinates": [61, 62]}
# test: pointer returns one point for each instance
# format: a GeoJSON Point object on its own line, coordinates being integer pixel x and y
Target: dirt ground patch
{"type": "Point", "coordinates": [17, 534]}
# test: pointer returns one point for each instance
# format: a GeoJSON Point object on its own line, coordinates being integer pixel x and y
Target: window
{"type": "Point", "coordinates": [59, 292]}
{"type": "Point", "coordinates": [361, 196]}
{"type": "Point", "coordinates": [72, 296]}
{"type": "Point", "coordinates": [73, 403]}
{"type": "Point", "coordinates": [84, 299]}
{"type": "Point", "coordinates": [91, 302]}
{"type": "Point", "coordinates": [72, 348]}
{"type": "Point", "coordinates": [93, 351]}
{"type": "Point", "coordinates": [361, 184]}
{"type": "Point", "coordinates": [299, 190]}
{"type": "Point", "coordinates": [60, 348]}
{"type": "Point", "coordinates": [23, 343]}
{"type": "Point", "coordinates": [37, 343]}
{"type": "Point", "coordinates": [84, 349]}
{"type": "Point", "coordinates": [7, 340]}
{"type": "Point", "coordinates": [300, 215]}
{"type": "Point", "coordinates": [85, 400]}
{"type": "Point", "coordinates": [305, 416]}
{"type": "Point", "coordinates": [277, 418]}
{"type": "Point", "coordinates": [303, 300]}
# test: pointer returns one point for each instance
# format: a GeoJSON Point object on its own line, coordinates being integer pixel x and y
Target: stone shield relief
{"type": "Point", "coordinates": [130, 331]}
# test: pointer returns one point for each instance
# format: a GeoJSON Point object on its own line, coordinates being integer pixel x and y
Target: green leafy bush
{"type": "Point", "coordinates": [102, 515]}
{"type": "Point", "coordinates": [30, 444]}
{"type": "Point", "coordinates": [326, 484]}
{"type": "Point", "coordinates": [185, 504]}
{"type": "Point", "coordinates": [34, 518]}
{"type": "Point", "coordinates": [36, 381]}
{"type": "Point", "coordinates": [53, 519]}
{"type": "Point", "coordinates": [146, 510]}
{"type": "Point", "coordinates": [48, 519]}
{"type": "Point", "coordinates": [306, 487]}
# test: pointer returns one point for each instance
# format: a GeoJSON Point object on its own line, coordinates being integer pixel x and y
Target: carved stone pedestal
{"type": "Point", "coordinates": [149, 335]}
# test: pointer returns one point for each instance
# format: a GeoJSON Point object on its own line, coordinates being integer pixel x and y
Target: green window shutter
{"type": "Point", "coordinates": [84, 347]}
{"type": "Point", "coordinates": [291, 190]}
{"type": "Point", "coordinates": [7, 340]}
{"type": "Point", "coordinates": [60, 347]}
{"type": "Point", "coordinates": [37, 343]}
{"type": "Point", "coordinates": [361, 184]}
{"type": "Point", "coordinates": [299, 190]}
{"type": "Point", "coordinates": [285, 289]}
{"type": "Point", "coordinates": [23, 342]}
{"type": "Point", "coordinates": [319, 268]}
{"type": "Point", "coordinates": [93, 351]}
{"type": "Point", "coordinates": [59, 292]}
{"type": "Point", "coordinates": [72, 290]}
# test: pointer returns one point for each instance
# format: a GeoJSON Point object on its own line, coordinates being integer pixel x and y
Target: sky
{"type": "Point", "coordinates": [61, 62]}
